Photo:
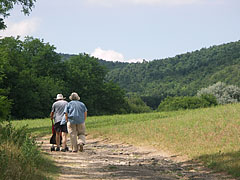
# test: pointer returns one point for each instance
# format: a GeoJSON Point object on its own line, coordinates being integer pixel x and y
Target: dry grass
{"type": "Point", "coordinates": [210, 135]}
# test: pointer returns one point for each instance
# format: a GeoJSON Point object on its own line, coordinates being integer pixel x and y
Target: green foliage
{"type": "Point", "coordinates": [187, 102]}
{"type": "Point", "coordinates": [7, 5]}
{"type": "Point", "coordinates": [19, 156]}
{"type": "Point", "coordinates": [85, 75]}
{"type": "Point", "coordinates": [30, 75]}
{"type": "Point", "coordinates": [5, 106]}
{"type": "Point", "coordinates": [137, 105]}
{"type": "Point", "coordinates": [211, 99]}
{"type": "Point", "coordinates": [182, 75]}
{"type": "Point", "coordinates": [112, 65]}
{"type": "Point", "coordinates": [33, 73]}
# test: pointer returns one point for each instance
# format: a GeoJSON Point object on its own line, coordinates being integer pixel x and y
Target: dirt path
{"type": "Point", "coordinates": [105, 160]}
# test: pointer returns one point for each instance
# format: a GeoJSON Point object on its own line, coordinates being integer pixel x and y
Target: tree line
{"type": "Point", "coordinates": [32, 73]}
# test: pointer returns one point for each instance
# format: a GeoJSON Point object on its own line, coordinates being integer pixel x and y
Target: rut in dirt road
{"type": "Point", "coordinates": [105, 160]}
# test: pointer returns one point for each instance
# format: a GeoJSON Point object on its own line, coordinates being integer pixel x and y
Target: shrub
{"type": "Point", "coordinates": [136, 105]}
{"type": "Point", "coordinates": [187, 102]}
{"type": "Point", "coordinates": [5, 106]}
{"type": "Point", "coordinates": [19, 155]}
{"type": "Point", "coordinates": [224, 94]}
{"type": "Point", "coordinates": [211, 99]}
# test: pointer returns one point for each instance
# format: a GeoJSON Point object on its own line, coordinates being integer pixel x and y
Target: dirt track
{"type": "Point", "coordinates": [104, 160]}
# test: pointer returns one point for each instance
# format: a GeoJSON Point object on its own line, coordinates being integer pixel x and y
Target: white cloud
{"type": "Point", "coordinates": [110, 3]}
{"type": "Point", "coordinates": [22, 28]}
{"type": "Point", "coordinates": [110, 55]}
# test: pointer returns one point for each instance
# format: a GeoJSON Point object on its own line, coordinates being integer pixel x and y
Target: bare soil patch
{"type": "Point", "coordinates": [102, 159]}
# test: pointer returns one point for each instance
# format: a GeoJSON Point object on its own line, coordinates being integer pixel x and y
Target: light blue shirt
{"type": "Point", "coordinates": [75, 110]}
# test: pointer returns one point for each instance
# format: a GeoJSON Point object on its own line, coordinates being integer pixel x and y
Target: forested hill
{"type": "Point", "coordinates": [181, 75]}
{"type": "Point", "coordinates": [108, 64]}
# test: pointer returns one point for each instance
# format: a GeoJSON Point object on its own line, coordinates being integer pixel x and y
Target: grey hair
{"type": "Point", "coordinates": [74, 96]}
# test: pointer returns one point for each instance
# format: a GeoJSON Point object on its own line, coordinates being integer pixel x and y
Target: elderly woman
{"type": "Point", "coordinates": [75, 115]}
{"type": "Point", "coordinates": [57, 114]}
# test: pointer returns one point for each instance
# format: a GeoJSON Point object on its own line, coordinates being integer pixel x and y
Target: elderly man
{"type": "Point", "coordinates": [75, 115]}
{"type": "Point", "coordinates": [57, 114]}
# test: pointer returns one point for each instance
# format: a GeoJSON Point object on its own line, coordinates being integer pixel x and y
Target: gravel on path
{"type": "Point", "coordinates": [102, 160]}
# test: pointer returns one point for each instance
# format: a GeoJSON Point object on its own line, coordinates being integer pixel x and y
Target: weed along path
{"type": "Point", "coordinates": [102, 159]}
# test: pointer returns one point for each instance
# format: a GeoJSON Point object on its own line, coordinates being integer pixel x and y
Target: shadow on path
{"type": "Point", "coordinates": [104, 160]}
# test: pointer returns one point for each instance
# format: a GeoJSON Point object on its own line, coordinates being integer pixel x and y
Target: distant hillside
{"type": "Point", "coordinates": [181, 75]}
{"type": "Point", "coordinates": [113, 65]}
{"type": "Point", "coordinates": [108, 64]}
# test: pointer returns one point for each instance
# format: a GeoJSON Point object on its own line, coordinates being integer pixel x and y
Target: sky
{"type": "Point", "coordinates": [128, 30]}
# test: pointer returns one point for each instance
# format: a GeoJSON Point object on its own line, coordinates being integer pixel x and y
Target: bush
{"type": "Point", "coordinates": [224, 94]}
{"type": "Point", "coordinates": [136, 105]}
{"type": "Point", "coordinates": [5, 106]}
{"type": "Point", "coordinates": [19, 156]}
{"type": "Point", "coordinates": [187, 102]}
{"type": "Point", "coordinates": [211, 99]}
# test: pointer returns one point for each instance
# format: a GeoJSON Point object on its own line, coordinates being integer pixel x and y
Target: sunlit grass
{"type": "Point", "coordinates": [211, 135]}
{"type": "Point", "coordinates": [37, 127]}
{"type": "Point", "coordinates": [200, 134]}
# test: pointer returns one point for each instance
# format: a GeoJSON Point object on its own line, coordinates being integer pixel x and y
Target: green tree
{"type": "Point", "coordinates": [85, 76]}
{"type": "Point", "coordinates": [182, 75]}
{"type": "Point", "coordinates": [31, 85]}
{"type": "Point", "coordinates": [137, 105]}
{"type": "Point", "coordinates": [111, 100]}
{"type": "Point", "coordinates": [7, 5]}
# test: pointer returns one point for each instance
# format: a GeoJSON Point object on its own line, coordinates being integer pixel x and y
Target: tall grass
{"type": "Point", "coordinates": [37, 127]}
{"type": "Point", "coordinates": [20, 157]}
{"type": "Point", "coordinates": [210, 135]}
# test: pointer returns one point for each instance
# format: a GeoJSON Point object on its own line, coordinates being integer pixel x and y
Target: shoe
{"type": "Point", "coordinates": [65, 149]}
{"type": "Point", "coordinates": [80, 147]}
{"type": "Point", "coordinates": [58, 149]}
{"type": "Point", "coordinates": [52, 148]}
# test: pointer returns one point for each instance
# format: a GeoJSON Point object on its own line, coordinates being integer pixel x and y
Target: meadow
{"type": "Point", "coordinates": [208, 135]}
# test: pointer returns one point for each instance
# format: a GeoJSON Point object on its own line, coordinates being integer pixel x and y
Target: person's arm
{"type": "Point", "coordinates": [85, 115]}
{"type": "Point", "coordinates": [51, 115]}
{"type": "Point", "coordinates": [66, 117]}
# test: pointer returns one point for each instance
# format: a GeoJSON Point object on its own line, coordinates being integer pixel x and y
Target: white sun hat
{"type": "Point", "coordinates": [59, 97]}
{"type": "Point", "coordinates": [74, 96]}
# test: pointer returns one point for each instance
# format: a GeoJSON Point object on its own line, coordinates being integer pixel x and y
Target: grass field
{"type": "Point", "coordinates": [210, 135]}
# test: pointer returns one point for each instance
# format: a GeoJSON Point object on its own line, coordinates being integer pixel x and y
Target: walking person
{"type": "Point", "coordinates": [75, 115]}
{"type": "Point", "coordinates": [57, 114]}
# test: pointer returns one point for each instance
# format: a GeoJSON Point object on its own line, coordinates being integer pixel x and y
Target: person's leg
{"type": "Point", "coordinates": [64, 140]}
{"type": "Point", "coordinates": [58, 141]}
{"type": "Point", "coordinates": [81, 136]}
{"type": "Point", "coordinates": [64, 136]}
{"type": "Point", "coordinates": [57, 129]}
{"type": "Point", "coordinates": [73, 135]}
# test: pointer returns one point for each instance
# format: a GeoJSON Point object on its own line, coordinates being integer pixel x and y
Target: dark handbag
{"type": "Point", "coordinates": [53, 138]}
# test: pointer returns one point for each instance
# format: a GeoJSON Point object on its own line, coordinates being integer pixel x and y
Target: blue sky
{"type": "Point", "coordinates": [129, 30]}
